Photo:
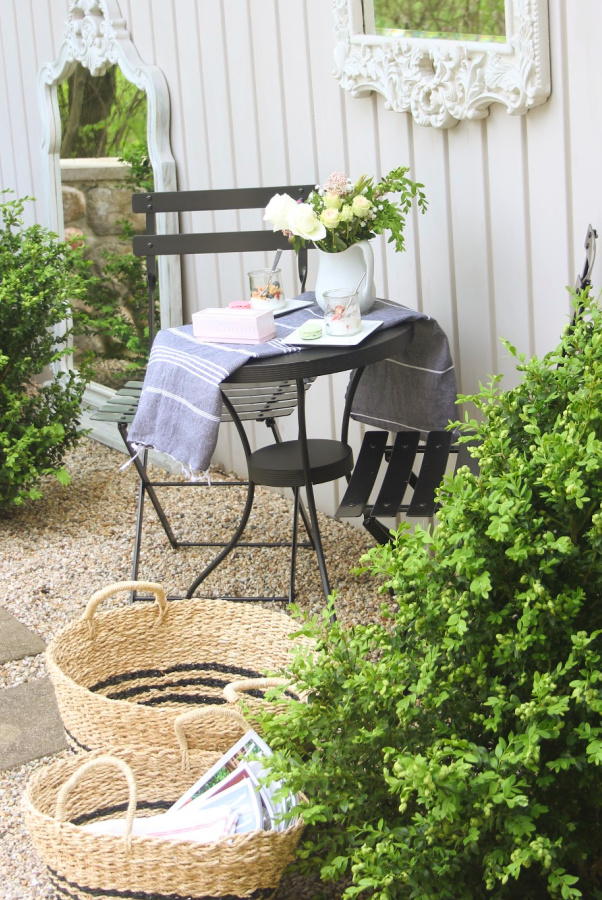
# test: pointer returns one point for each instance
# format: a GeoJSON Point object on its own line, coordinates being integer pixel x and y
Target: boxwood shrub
{"type": "Point", "coordinates": [39, 277]}
{"type": "Point", "coordinates": [452, 750]}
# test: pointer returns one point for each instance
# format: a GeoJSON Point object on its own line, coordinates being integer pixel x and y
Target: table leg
{"type": "Point", "coordinates": [309, 490]}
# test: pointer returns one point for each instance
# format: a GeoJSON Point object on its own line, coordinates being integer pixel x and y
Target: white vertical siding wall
{"type": "Point", "coordinates": [254, 102]}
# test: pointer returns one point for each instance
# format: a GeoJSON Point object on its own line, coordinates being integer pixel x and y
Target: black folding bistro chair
{"type": "Point", "coordinates": [400, 475]}
{"type": "Point", "coordinates": [241, 402]}
{"type": "Point", "coordinates": [412, 467]}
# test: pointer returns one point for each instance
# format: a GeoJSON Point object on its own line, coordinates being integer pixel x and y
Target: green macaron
{"type": "Point", "coordinates": [310, 330]}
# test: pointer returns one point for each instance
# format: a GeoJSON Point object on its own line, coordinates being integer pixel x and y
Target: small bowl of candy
{"type": "Point", "coordinates": [266, 289]}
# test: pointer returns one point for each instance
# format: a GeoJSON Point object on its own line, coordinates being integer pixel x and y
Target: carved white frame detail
{"type": "Point", "coordinates": [97, 37]}
{"type": "Point", "coordinates": [442, 81]}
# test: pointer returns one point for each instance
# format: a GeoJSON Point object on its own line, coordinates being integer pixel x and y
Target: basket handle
{"type": "Point", "coordinates": [75, 778]}
{"type": "Point", "coordinates": [194, 715]}
{"type": "Point", "coordinates": [97, 598]}
{"type": "Point", "coordinates": [233, 690]}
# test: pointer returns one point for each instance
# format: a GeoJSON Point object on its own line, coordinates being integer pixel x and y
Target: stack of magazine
{"type": "Point", "coordinates": [230, 798]}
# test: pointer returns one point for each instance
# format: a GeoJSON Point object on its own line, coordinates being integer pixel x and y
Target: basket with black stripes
{"type": "Point", "coordinates": [64, 796]}
{"type": "Point", "coordinates": [123, 675]}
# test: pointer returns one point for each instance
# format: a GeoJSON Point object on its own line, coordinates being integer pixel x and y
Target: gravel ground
{"type": "Point", "coordinates": [56, 552]}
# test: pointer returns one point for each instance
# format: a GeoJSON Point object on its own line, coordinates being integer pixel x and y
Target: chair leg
{"type": "Point", "coordinates": [141, 466]}
{"type": "Point", "coordinates": [291, 592]}
{"type": "Point", "coordinates": [137, 537]}
{"type": "Point", "coordinates": [230, 546]}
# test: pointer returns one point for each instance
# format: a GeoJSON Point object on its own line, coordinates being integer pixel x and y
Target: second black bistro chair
{"type": "Point", "coordinates": [411, 468]}
{"type": "Point", "coordinates": [277, 465]}
{"type": "Point", "coordinates": [400, 475]}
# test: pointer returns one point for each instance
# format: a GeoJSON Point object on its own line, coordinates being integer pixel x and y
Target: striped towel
{"type": "Point", "coordinates": [414, 390]}
{"type": "Point", "coordinates": [180, 404]}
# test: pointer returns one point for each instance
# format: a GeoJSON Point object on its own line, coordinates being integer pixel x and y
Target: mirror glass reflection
{"type": "Point", "coordinates": [472, 20]}
{"type": "Point", "coordinates": [104, 158]}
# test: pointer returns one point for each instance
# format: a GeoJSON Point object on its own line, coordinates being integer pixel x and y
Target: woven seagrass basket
{"type": "Point", "coordinates": [65, 795]}
{"type": "Point", "coordinates": [122, 676]}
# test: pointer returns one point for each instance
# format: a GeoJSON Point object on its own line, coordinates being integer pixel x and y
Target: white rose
{"type": "Point", "coordinates": [360, 206]}
{"type": "Point", "coordinates": [279, 210]}
{"type": "Point", "coordinates": [304, 222]}
{"type": "Point", "coordinates": [330, 218]}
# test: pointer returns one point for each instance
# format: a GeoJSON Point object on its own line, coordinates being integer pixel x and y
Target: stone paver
{"type": "Point", "coordinates": [17, 641]}
{"type": "Point", "coordinates": [30, 724]}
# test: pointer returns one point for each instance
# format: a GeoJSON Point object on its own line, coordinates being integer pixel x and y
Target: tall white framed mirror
{"type": "Point", "coordinates": [96, 38]}
{"type": "Point", "coordinates": [444, 61]}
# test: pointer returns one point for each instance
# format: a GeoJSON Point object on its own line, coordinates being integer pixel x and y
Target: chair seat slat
{"type": "Point", "coordinates": [398, 473]}
{"type": "Point", "coordinates": [364, 474]}
{"type": "Point", "coordinates": [103, 415]}
{"type": "Point", "coordinates": [432, 470]}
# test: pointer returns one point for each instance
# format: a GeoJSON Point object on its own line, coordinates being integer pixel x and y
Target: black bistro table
{"type": "Point", "coordinates": [310, 362]}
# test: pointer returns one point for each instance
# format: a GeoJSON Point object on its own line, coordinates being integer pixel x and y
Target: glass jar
{"type": "Point", "coordinates": [266, 289]}
{"type": "Point", "coordinates": [342, 317]}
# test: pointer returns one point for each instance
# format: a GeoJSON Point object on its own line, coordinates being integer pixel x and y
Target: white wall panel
{"type": "Point", "coordinates": [472, 268]}
{"type": "Point", "coordinates": [15, 99]}
{"type": "Point", "coordinates": [511, 294]}
{"type": "Point", "coordinates": [254, 102]}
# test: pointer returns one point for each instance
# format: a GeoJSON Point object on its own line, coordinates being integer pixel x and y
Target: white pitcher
{"type": "Point", "coordinates": [344, 270]}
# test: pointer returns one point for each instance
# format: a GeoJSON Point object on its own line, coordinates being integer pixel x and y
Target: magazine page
{"type": "Point", "coordinates": [241, 796]}
{"type": "Point", "coordinates": [198, 825]}
{"type": "Point", "coordinates": [249, 744]}
{"type": "Point", "coordinates": [280, 805]}
{"type": "Point", "coordinates": [222, 773]}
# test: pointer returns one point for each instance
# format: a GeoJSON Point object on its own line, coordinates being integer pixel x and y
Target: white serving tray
{"type": "Point", "coordinates": [291, 306]}
{"type": "Point", "coordinates": [327, 340]}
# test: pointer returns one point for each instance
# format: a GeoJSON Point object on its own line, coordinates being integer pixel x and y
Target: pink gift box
{"type": "Point", "coordinates": [234, 326]}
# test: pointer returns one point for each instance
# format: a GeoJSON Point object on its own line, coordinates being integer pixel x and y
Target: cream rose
{"type": "Point", "coordinates": [330, 218]}
{"type": "Point", "coordinates": [304, 222]}
{"type": "Point", "coordinates": [279, 210]}
{"type": "Point", "coordinates": [360, 206]}
{"type": "Point", "coordinates": [332, 201]}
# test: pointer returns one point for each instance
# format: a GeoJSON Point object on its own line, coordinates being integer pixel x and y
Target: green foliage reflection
{"type": "Point", "coordinates": [443, 18]}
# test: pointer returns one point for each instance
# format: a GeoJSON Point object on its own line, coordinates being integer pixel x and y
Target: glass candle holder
{"type": "Point", "coordinates": [266, 289]}
{"type": "Point", "coordinates": [342, 317]}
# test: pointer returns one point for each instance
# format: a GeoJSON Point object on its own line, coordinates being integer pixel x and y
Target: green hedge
{"type": "Point", "coordinates": [452, 751]}
{"type": "Point", "coordinates": [39, 276]}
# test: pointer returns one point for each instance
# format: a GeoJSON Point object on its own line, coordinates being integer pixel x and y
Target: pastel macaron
{"type": "Point", "coordinates": [239, 304]}
{"type": "Point", "coordinates": [310, 330]}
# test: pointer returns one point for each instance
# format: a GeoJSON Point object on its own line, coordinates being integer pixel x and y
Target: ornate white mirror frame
{"type": "Point", "coordinates": [97, 37]}
{"type": "Point", "coordinates": [442, 81]}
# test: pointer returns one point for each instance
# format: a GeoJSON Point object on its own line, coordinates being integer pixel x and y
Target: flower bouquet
{"type": "Point", "coordinates": [342, 213]}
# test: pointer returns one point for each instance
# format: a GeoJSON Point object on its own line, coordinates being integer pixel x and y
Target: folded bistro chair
{"type": "Point", "coordinates": [410, 467]}
{"type": "Point", "coordinates": [241, 402]}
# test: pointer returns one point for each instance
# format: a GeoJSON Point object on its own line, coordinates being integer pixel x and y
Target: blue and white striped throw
{"type": "Point", "coordinates": [179, 409]}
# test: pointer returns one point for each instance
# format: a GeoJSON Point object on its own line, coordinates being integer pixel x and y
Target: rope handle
{"type": "Point", "coordinates": [195, 715]}
{"type": "Point", "coordinates": [97, 598]}
{"type": "Point", "coordinates": [100, 761]}
{"type": "Point", "coordinates": [233, 690]}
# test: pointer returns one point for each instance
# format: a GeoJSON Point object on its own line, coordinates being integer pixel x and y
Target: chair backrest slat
{"type": "Point", "coordinates": [209, 201]}
{"type": "Point", "coordinates": [208, 242]}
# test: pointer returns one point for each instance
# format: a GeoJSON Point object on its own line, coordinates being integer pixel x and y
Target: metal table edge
{"type": "Point", "coordinates": [326, 360]}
